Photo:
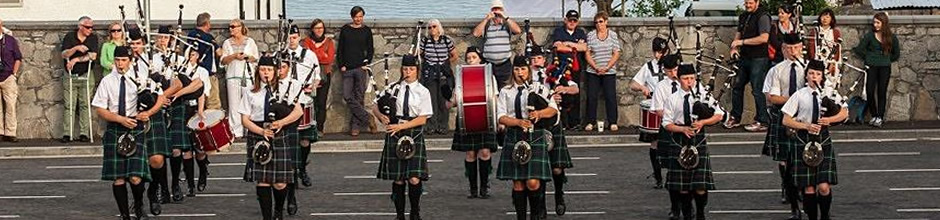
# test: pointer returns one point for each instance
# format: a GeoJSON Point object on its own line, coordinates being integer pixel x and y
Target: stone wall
{"type": "Point", "coordinates": [914, 88]}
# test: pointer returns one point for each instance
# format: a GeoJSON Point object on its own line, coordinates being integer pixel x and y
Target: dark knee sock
{"type": "Point", "coordinates": [304, 158]}
{"type": "Point", "coordinates": [155, 183]}
{"type": "Point", "coordinates": [138, 191]}
{"type": "Point", "coordinates": [398, 198]}
{"type": "Point", "coordinates": [203, 167]}
{"type": "Point", "coordinates": [190, 172]}
{"type": "Point", "coordinates": [162, 179]}
{"type": "Point", "coordinates": [686, 201]}
{"type": "Point", "coordinates": [825, 203]}
{"type": "Point", "coordinates": [471, 173]}
{"type": "Point", "coordinates": [559, 180]}
{"type": "Point", "coordinates": [292, 192]}
{"type": "Point", "coordinates": [264, 199]}
{"type": "Point", "coordinates": [657, 169]}
{"type": "Point", "coordinates": [176, 166]}
{"type": "Point", "coordinates": [279, 196]}
{"type": "Point", "coordinates": [782, 169]}
{"type": "Point", "coordinates": [414, 197]}
{"type": "Point", "coordinates": [486, 167]}
{"type": "Point", "coordinates": [700, 202]}
{"type": "Point", "coordinates": [675, 202]}
{"type": "Point", "coordinates": [533, 200]}
{"type": "Point", "coordinates": [120, 196]}
{"type": "Point", "coordinates": [810, 206]}
{"type": "Point", "coordinates": [519, 201]}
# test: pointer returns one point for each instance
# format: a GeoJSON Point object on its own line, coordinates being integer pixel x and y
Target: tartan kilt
{"type": "Point", "coordinates": [539, 166]}
{"type": "Point", "coordinates": [297, 150]}
{"type": "Point", "coordinates": [281, 167]}
{"type": "Point", "coordinates": [156, 139]}
{"type": "Point", "coordinates": [464, 142]}
{"type": "Point", "coordinates": [181, 137]}
{"type": "Point", "coordinates": [116, 166]}
{"type": "Point", "coordinates": [559, 155]}
{"type": "Point", "coordinates": [679, 178]}
{"type": "Point", "coordinates": [662, 149]}
{"type": "Point", "coordinates": [393, 168]}
{"type": "Point", "coordinates": [805, 175]}
{"type": "Point", "coordinates": [776, 141]}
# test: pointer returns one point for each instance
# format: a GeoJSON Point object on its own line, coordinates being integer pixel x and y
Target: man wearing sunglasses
{"type": "Point", "coordinates": [79, 49]}
{"type": "Point", "coordinates": [570, 41]}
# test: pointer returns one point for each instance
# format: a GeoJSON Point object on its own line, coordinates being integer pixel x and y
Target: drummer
{"type": "Point", "coordinates": [279, 134]}
{"type": "Point", "coordinates": [413, 108]}
{"type": "Point", "coordinates": [115, 101]}
{"type": "Point", "coordinates": [665, 88]}
{"type": "Point", "coordinates": [526, 176]}
{"type": "Point", "coordinates": [680, 128]}
{"type": "Point", "coordinates": [558, 156]}
{"type": "Point", "coordinates": [478, 146]}
{"type": "Point", "coordinates": [305, 70]}
{"type": "Point", "coordinates": [158, 146]}
{"type": "Point", "coordinates": [185, 101]}
{"type": "Point", "coordinates": [645, 81]}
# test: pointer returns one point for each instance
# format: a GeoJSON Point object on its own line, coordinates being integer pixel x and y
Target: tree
{"type": "Point", "coordinates": [653, 8]}
{"type": "Point", "coordinates": [810, 7]}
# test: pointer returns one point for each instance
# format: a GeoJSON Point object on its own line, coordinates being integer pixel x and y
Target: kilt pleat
{"type": "Point", "coordinates": [281, 167]}
{"type": "Point", "coordinates": [805, 175]}
{"type": "Point", "coordinates": [539, 167]}
{"type": "Point", "coordinates": [393, 168]}
{"type": "Point", "coordinates": [776, 143]}
{"type": "Point", "coordinates": [180, 135]}
{"type": "Point", "coordinates": [679, 178]}
{"type": "Point", "coordinates": [115, 166]}
{"type": "Point", "coordinates": [156, 139]}
{"type": "Point", "coordinates": [559, 155]}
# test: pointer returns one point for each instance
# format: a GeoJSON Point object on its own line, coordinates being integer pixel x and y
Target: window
{"type": "Point", "coordinates": [11, 3]}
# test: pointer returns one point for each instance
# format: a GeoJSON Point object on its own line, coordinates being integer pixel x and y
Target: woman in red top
{"type": "Point", "coordinates": [323, 46]}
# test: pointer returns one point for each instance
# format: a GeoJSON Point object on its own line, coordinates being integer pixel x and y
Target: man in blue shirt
{"type": "Point", "coordinates": [570, 41]}
{"type": "Point", "coordinates": [209, 59]}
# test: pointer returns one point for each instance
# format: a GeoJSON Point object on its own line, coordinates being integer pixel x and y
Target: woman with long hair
{"type": "Point", "coordinates": [879, 49]}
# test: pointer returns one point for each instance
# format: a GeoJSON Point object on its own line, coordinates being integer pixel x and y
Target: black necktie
{"type": "Point", "coordinates": [674, 88]}
{"type": "Point", "coordinates": [792, 78]}
{"type": "Point", "coordinates": [405, 109]}
{"type": "Point", "coordinates": [293, 66]}
{"type": "Point", "coordinates": [815, 108]}
{"type": "Point", "coordinates": [687, 110]}
{"type": "Point", "coordinates": [122, 106]}
{"type": "Point", "coordinates": [518, 103]}
{"type": "Point", "coordinates": [267, 101]}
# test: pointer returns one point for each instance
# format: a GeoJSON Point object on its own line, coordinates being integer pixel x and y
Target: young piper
{"type": "Point", "coordinates": [158, 121]}
{"type": "Point", "coordinates": [300, 71]}
{"type": "Point", "coordinates": [187, 97]}
{"type": "Point", "coordinates": [115, 101]}
{"type": "Point", "coordinates": [527, 177]}
{"type": "Point", "coordinates": [559, 157]}
{"type": "Point", "coordinates": [645, 81]}
{"type": "Point", "coordinates": [268, 119]}
{"type": "Point", "coordinates": [686, 129]}
{"type": "Point", "coordinates": [478, 147]}
{"type": "Point", "coordinates": [413, 108]}
{"type": "Point", "coordinates": [802, 112]}
{"type": "Point", "coordinates": [782, 81]}
{"type": "Point", "coordinates": [664, 89]}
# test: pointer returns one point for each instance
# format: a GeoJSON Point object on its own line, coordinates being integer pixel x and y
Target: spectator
{"type": "Point", "coordinates": [497, 30]}
{"type": "Point", "coordinates": [355, 51]}
{"type": "Point", "coordinates": [438, 54]}
{"type": "Point", "coordinates": [879, 49]}
{"type": "Point", "coordinates": [209, 54]}
{"type": "Point", "coordinates": [78, 50]}
{"type": "Point", "coordinates": [750, 45]}
{"type": "Point", "coordinates": [826, 47]}
{"type": "Point", "coordinates": [115, 39]}
{"type": "Point", "coordinates": [783, 26]}
{"type": "Point", "coordinates": [325, 50]}
{"type": "Point", "coordinates": [602, 56]}
{"type": "Point", "coordinates": [570, 42]}
{"type": "Point", "coordinates": [10, 60]}
{"type": "Point", "coordinates": [239, 54]}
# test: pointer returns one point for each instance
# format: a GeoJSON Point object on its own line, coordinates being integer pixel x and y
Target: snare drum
{"type": "Point", "coordinates": [650, 121]}
{"type": "Point", "coordinates": [306, 121]}
{"type": "Point", "coordinates": [213, 134]}
{"type": "Point", "coordinates": [475, 91]}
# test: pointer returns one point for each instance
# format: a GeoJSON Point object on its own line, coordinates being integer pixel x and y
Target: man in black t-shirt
{"type": "Point", "coordinates": [354, 52]}
{"type": "Point", "coordinates": [79, 50]}
{"type": "Point", "coordinates": [750, 44]}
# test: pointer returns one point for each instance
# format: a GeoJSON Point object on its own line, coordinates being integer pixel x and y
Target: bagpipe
{"type": "Point", "coordinates": [813, 153]}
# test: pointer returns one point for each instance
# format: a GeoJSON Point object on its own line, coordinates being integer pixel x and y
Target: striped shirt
{"type": "Point", "coordinates": [437, 52]}
{"type": "Point", "coordinates": [496, 46]}
{"type": "Point", "coordinates": [603, 50]}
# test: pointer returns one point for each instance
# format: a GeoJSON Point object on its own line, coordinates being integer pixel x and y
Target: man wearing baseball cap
{"type": "Point", "coordinates": [497, 30]}
{"type": "Point", "coordinates": [570, 42]}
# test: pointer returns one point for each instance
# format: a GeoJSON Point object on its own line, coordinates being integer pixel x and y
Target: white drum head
{"type": "Point", "coordinates": [213, 117]}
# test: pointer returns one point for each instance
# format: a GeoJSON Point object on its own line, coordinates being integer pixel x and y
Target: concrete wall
{"type": "Point", "coordinates": [71, 10]}
{"type": "Point", "coordinates": [914, 88]}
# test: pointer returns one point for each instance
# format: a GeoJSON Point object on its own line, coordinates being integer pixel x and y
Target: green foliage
{"type": "Point", "coordinates": [810, 7]}
{"type": "Point", "coordinates": [653, 8]}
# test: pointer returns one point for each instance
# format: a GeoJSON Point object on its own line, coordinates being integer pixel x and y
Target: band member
{"type": "Point", "coordinates": [685, 130]}
{"type": "Point", "coordinates": [79, 49]}
{"type": "Point", "coordinates": [645, 81]}
{"type": "Point", "coordinates": [152, 116]}
{"type": "Point", "coordinates": [305, 71]}
{"type": "Point", "coordinates": [267, 117]}
{"type": "Point", "coordinates": [828, 46]}
{"type": "Point", "coordinates": [115, 101]}
{"type": "Point", "coordinates": [187, 96]}
{"type": "Point", "coordinates": [802, 112]}
{"type": "Point", "coordinates": [158, 121]}
{"type": "Point", "coordinates": [559, 157]}
{"type": "Point", "coordinates": [478, 147]}
{"type": "Point", "coordinates": [782, 81]}
{"type": "Point", "coordinates": [239, 52]}
{"type": "Point", "coordinates": [413, 108]}
{"type": "Point", "coordinates": [570, 41]}
{"type": "Point", "coordinates": [664, 89]}
{"type": "Point", "coordinates": [527, 175]}
{"type": "Point", "coordinates": [497, 29]}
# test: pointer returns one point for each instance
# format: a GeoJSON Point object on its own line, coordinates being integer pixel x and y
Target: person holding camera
{"type": "Point", "coordinates": [497, 30]}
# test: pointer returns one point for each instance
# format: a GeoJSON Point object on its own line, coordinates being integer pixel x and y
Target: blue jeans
{"type": "Point", "coordinates": [752, 71]}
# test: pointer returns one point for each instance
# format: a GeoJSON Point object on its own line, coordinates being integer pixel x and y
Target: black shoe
{"type": "Point", "coordinates": [560, 207]}
{"type": "Point", "coordinates": [177, 193]}
{"type": "Point", "coordinates": [278, 215]}
{"type": "Point", "coordinates": [305, 179]}
{"type": "Point", "coordinates": [66, 139]}
{"type": "Point", "coordinates": [415, 216]}
{"type": "Point", "coordinates": [139, 213]}
{"type": "Point", "coordinates": [201, 185]}
{"type": "Point", "coordinates": [796, 215]}
{"type": "Point", "coordinates": [473, 194]}
{"type": "Point", "coordinates": [291, 205]}
{"type": "Point", "coordinates": [484, 192]}
{"type": "Point", "coordinates": [659, 184]}
{"type": "Point", "coordinates": [190, 191]}
{"type": "Point", "coordinates": [125, 217]}
{"type": "Point", "coordinates": [83, 138]}
{"type": "Point", "coordinates": [155, 208]}
{"type": "Point", "coordinates": [164, 197]}
{"type": "Point", "coordinates": [673, 216]}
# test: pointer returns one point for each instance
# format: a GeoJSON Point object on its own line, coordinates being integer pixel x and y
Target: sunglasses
{"type": "Point", "coordinates": [233, 26]}
{"type": "Point", "coordinates": [88, 27]}
{"type": "Point", "coordinates": [572, 20]}
{"type": "Point", "coordinates": [115, 30]}
{"type": "Point", "coordinates": [433, 26]}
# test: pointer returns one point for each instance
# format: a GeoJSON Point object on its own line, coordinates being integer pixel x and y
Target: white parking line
{"type": "Point", "coordinates": [582, 193]}
{"type": "Point", "coordinates": [377, 162]}
{"type": "Point", "coordinates": [359, 177]}
{"type": "Point", "coordinates": [744, 172]}
{"type": "Point", "coordinates": [32, 197]}
{"type": "Point", "coordinates": [735, 156]}
{"type": "Point", "coordinates": [753, 211]}
{"type": "Point", "coordinates": [96, 180]}
{"type": "Point", "coordinates": [369, 194]}
{"type": "Point", "coordinates": [569, 213]}
{"type": "Point", "coordinates": [897, 171]}
{"type": "Point", "coordinates": [879, 154]}
{"type": "Point", "coordinates": [585, 158]}
{"type": "Point", "coordinates": [580, 174]}
{"type": "Point", "coordinates": [221, 195]}
{"type": "Point", "coordinates": [745, 191]}
{"type": "Point", "coordinates": [355, 214]}
{"type": "Point", "coordinates": [178, 215]}
{"type": "Point", "coordinates": [9, 216]}
{"type": "Point", "coordinates": [920, 210]}
{"type": "Point", "coordinates": [915, 189]}
{"type": "Point", "coordinates": [99, 166]}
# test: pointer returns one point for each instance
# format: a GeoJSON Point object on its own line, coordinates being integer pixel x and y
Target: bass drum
{"type": "Point", "coordinates": [476, 92]}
